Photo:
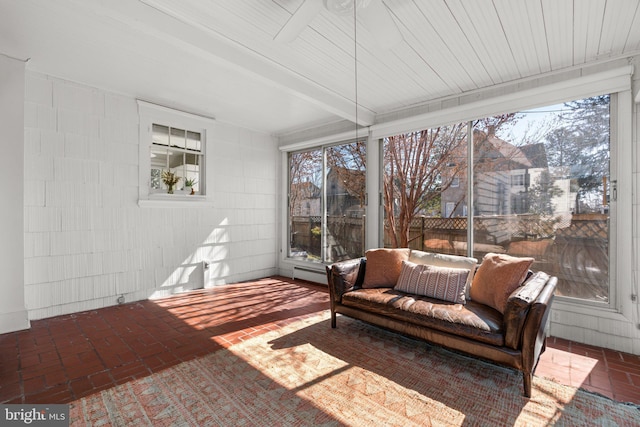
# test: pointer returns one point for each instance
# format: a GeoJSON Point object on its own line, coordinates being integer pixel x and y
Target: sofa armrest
{"type": "Point", "coordinates": [518, 307]}
{"type": "Point", "coordinates": [344, 276]}
{"type": "Point", "coordinates": [534, 332]}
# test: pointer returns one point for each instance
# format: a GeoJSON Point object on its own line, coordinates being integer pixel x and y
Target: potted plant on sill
{"type": "Point", "coordinates": [170, 179]}
{"type": "Point", "coordinates": [188, 185]}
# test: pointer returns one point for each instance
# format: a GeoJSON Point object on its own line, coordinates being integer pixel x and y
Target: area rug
{"type": "Point", "coordinates": [307, 374]}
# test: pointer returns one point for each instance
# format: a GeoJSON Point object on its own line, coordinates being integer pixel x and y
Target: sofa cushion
{"type": "Point", "coordinates": [421, 257]}
{"type": "Point", "coordinates": [383, 267]}
{"type": "Point", "coordinates": [447, 284]}
{"type": "Point", "coordinates": [472, 320]}
{"type": "Point", "coordinates": [497, 277]}
{"type": "Point", "coordinates": [443, 260]}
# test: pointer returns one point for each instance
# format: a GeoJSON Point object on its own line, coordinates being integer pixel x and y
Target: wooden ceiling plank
{"type": "Point", "coordinates": [514, 21]}
{"type": "Point", "coordinates": [587, 29]}
{"type": "Point", "coordinates": [558, 21]}
{"type": "Point", "coordinates": [443, 22]}
{"type": "Point", "coordinates": [618, 18]}
{"type": "Point", "coordinates": [428, 47]}
{"type": "Point", "coordinates": [491, 42]}
{"type": "Point", "coordinates": [536, 25]}
{"type": "Point", "coordinates": [632, 44]}
{"type": "Point", "coordinates": [472, 34]}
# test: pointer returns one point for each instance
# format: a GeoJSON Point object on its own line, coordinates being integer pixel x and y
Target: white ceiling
{"type": "Point", "coordinates": [218, 57]}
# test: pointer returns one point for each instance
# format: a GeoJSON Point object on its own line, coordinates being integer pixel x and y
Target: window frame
{"type": "Point", "coordinates": [540, 92]}
{"type": "Point", "coordinates": [151, 114]}
{"type": "Point", "coordinates": [617, 171]}
{"type": "Point", "coordinates": [537, 92]}
{"type": "Point", "coordinates": [323, 148]}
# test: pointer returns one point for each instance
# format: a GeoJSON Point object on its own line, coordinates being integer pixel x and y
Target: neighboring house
{"type": "Point", "coordinates": [345, 195]}
{"type": "Point", "coordinates": [345, 192]}
{"type": "Point", "coordinates": [510, 180]}
{"type": "Point", "coordinates": [504, 176]}
{"type": "Point", "coordinates": [305, 199]}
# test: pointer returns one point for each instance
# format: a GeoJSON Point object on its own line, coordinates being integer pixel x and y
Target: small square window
{"type": "Point", "coordinates": [173, 155]}
{"type": "Point", "coordinates": [177, 152]}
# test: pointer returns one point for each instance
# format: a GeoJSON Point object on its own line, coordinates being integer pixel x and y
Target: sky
{"type": "Point", "coordinates": [529, 121]}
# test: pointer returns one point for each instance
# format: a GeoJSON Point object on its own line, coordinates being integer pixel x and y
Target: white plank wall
{"type": "Point", "coordinates": [13, 313]}
{"type": "Point", "coordinates": [86, 239]}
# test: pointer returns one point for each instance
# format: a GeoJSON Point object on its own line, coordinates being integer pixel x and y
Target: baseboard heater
{"type": "Point", "coordinates": [306, 269]}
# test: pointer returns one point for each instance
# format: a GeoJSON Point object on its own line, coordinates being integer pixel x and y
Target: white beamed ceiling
{"type": "Point", "coordinates": [218, 57]}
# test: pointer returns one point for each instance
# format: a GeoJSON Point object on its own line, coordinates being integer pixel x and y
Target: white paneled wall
{"type": "Point", "coordinates": [13, 313]}
{"type": "Point", "coordinates": [86, 239]}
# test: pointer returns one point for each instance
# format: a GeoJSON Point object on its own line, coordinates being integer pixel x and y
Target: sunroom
{"type": "Point", "coordinates": [309, 135]}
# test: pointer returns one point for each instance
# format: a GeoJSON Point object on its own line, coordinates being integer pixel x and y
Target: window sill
{"type": "Point", "coordinates": [175, 201]}
{"type": "Point", "coordinates": [588, 309]}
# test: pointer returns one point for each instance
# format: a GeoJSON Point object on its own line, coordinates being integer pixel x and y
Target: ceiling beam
{"type": "Point", "coordinates": [155, 19]}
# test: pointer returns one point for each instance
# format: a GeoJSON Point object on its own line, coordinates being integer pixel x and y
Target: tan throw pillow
{"type": "Point", "coordinates": [383, 267]}
{"type": "Point", "coordinates": [444, 283]}
{"type": "Point", "coordinates": [497, 277]}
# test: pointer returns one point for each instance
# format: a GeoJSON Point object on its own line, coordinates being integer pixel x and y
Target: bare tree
{"type": "Point", "coordinates": [421, 166]}
{"type": "Point", "coordinates": [348, 162]}
{"type": "Point", "coordinates": [581, 141]}
{"type": "Point", "coordinates": [413, 173]}
{"type": "Point", "coordinates": [304, 168]}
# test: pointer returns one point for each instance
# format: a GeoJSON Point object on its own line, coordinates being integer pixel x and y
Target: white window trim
{"type": "Point", "coordinates": [611, 81]}
{"type": "Point", "coordinates": [152, 113]}
{"type": "Point", "coordinates": [621, 262]}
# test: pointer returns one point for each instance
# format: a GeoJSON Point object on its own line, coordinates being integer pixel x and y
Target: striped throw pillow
{"type": "Point", "coordinates": [444, 283]}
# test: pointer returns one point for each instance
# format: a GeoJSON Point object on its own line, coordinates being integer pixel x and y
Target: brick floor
{"type": "Point", "coordinates": [611, 373]}
{"type": "Point", "coordinates": [67, 357]}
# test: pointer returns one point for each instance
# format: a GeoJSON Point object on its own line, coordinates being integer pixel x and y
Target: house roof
{"type": "Point", "coordinates": [350, 180]}
{"type": "Point", "coordinates": [307, 189]}
{"type": "Point", "coordinates": [509, 152]}
{"type": "Point", "coordinates": [537, 155]}
{"type": "Point", "coordinates": [219, 58]}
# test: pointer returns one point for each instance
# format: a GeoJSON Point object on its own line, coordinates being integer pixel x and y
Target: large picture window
{"type": "Point", "coordinates": [327, 195]}
{"type": "Point", "coordinates": [540, 187]}
{"type": "Point", "coordinates": [419, 168]}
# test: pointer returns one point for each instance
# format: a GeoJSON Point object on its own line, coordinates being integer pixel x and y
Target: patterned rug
{"type": "Point", "coordinates": [307, 374]}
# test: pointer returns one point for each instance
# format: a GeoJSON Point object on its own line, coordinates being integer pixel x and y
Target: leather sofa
{"type": "Point", "coordinates": [514, 338]}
